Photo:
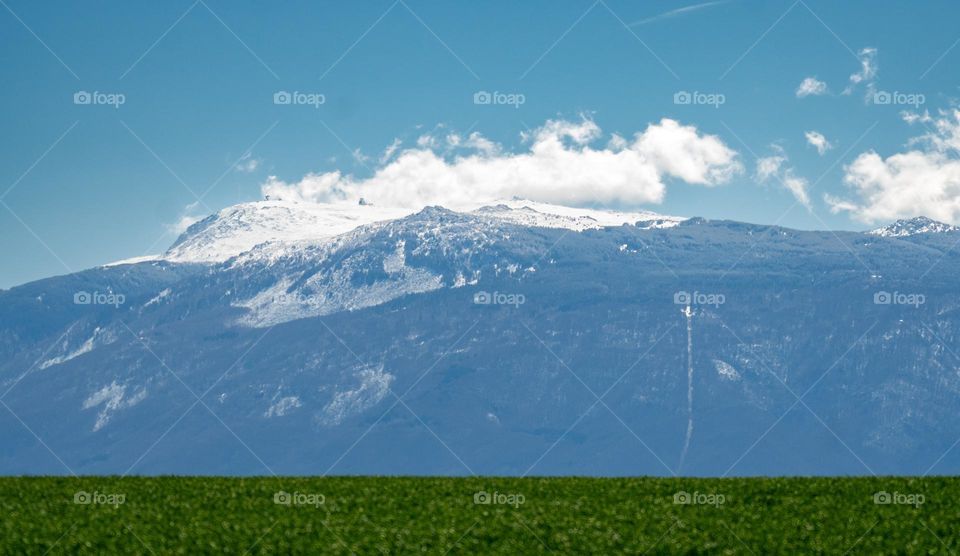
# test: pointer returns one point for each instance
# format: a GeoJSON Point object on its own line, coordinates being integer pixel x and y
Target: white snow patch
{"type": "Point", "coordinates": [283, 406]}
{"type": "Point", "coordinates": [545, 215]}
{"type": "Point", "coordinates": [100, 336]}
{"type": "Point", "coordinates": [159, 297]}
{"type": "Point", "coordinates": [112, 398]}
{"type": "Point", "coordinates": [374, 386]}
{"type": "Point", "coordinates": [133, 260]}
{"type": "Point", "coordinates": [326, 294]}
{"type": "Point", "coordinates": [726, 370]}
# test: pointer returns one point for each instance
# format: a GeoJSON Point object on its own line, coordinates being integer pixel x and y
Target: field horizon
{"type": "Point", "coordinates": [489, 515]}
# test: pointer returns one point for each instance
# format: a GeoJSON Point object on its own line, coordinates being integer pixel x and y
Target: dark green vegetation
{"type": "Point", "coordinates": [364, 515]}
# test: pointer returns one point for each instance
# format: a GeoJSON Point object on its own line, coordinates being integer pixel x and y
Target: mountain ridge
{"type": "Point", "coordinates": [499, 337]}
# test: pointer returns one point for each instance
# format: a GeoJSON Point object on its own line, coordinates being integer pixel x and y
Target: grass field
{"type": "Point", "coordinates": [369, 515]}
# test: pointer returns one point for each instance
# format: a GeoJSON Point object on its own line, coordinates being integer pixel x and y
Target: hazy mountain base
{"type": "Point", "coordinates": [481, 393]}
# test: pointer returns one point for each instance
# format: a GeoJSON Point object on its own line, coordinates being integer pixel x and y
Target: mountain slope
{"type": "Point", "coordinates": [455, 343]}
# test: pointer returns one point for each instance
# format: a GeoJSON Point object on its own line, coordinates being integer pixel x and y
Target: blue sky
{"type": "Point", "coordinates": [84, 184]}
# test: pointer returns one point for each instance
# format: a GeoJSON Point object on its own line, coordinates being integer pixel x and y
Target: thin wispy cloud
{"type": "Point", "coordinates": [190, 214]}
{"type": "Point", "coordinates": [867, 74]}
{"type": "Point", "coordinates": [818, 141]}
{"type": "Point", "coordinates": [247, 164]}
{"type": "Point", "coordinates": [772, 168]}
{"type": "Point", "coordinates": [679, 11]}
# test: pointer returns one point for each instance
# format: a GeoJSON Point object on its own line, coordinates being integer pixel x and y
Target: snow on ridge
{"type": "Point", "coordinates": [913, 226]}
{"type": "Point", "coordinates": [239, 228]}
{"type": "Point", "coordinates": [544, 215]}
{"type": "Point", "coordinates": [133, 260]}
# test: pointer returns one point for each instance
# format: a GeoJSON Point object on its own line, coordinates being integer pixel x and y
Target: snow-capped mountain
{"type": "Point", "coordinates": [913, 226]}
{"type": "Point", "coordinates": [239, 228]}
{"type": "Point", "coordinates": [275, 337]}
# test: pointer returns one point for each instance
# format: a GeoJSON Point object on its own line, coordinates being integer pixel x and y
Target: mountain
{"type": "Point", "coordinates": [913, 226]}
{"type": "Point", "coordinates": [277, 337]}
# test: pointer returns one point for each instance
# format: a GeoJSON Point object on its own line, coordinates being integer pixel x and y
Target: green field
{"type": "Point", "coordinates": [370, 515]}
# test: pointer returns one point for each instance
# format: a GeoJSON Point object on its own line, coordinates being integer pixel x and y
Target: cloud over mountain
{"type": "Point", "coordinates": [772, 168]}
{"type": "Point", "coordinates": [561, 164]}
{"type": "Point", "coordinates": [922, 181]}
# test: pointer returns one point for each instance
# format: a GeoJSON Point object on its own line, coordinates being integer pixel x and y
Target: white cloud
{"type": "Point", "coordinates": [772, 168]}
{"type": "Point", "coordinates": [867, 73]}
{"type": "Point", "coordinates": [390, 150]}
{"type": "Point", "coordinates": [187, 217]}
{"type": "Point", "coordinates": [559, 166]}
{"type": "Point", "coordinates": [922, 181]}
{"type": "Point", "coordinates": [769, 166]}
{"type": "Point", "coordinates": [816, 140]}
{"type": "Point", "coordinates": [811, 86]}
{"type": "Point", "coordinates": [797, 186]}
{"type": "Point", "coordinates": [247, 164]}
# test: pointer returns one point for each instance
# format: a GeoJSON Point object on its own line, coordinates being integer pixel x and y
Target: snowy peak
{"type": "Point", "coordinates": [543, 215]}
{"type": "Point", "coordinates": [240, 228]}
{"type": "Point", "coordinates": [913, 226]}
